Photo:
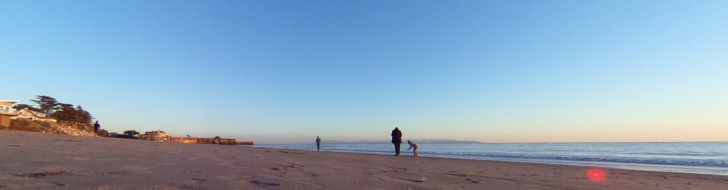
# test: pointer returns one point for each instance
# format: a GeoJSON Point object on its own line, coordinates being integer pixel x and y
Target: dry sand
{"type": "Point", "coordinates": [47, 161]}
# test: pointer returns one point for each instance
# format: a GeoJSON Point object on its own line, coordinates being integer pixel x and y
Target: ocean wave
{"type": "Point", "coordinates": [556, 153]}
{"type": "Point", "coordinates": [630, 160]}
{"type": "Point", "coordinates": [574, 158]}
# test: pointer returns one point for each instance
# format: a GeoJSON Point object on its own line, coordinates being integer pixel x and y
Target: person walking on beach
{"type": "Point", "coordinates": [318, 143]}
{"type": "Point", "coordinates": [396, 139]}
{"type": "Point", "coordinates": [413, 145]}
{"type": "Point", "coordinates": [97, 127]}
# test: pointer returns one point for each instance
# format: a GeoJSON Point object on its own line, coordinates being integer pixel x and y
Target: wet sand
{"type": "Point", "coordinates": [49, 161]}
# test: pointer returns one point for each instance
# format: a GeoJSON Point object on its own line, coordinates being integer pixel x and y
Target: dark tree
{"type": "Point", "coordinates": [46, 104]}
{"type": "Point", "coordinates": [67, 112]}
{"type": "Point", "coordinates": [131, 133]}
{"type": "Point", "coordinates": [83, 116]}
{"type": "Point", "coordinates": [61, 111]}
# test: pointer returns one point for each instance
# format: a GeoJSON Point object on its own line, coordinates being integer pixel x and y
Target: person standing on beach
{"type": "Point", "coordinates": [396, 139]}
{"type": "Point", "coordinates": [97, 127]}
{"type": "Point", "coordinates": [318, 143]}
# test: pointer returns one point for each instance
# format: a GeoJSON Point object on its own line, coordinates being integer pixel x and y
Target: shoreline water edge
{"type": "Point", "coordinates": [683, 157]}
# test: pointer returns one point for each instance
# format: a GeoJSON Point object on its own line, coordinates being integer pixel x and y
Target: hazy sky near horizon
{"type": "Point", "coordinates": [288, 71]}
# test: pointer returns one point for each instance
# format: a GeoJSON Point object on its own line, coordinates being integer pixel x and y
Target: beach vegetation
{"type": "Point", "coordinates": [67, 112]}
{"type": "Point", "coordinates": [58, 110]}
{"type": "Point", "coordinates": [130, 134]}
{"type": "Point", "coordinates": [67, 115]}
{"type": "Point", "coordinates": [46, 104]}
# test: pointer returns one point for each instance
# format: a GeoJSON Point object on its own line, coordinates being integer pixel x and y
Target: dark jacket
{"type": "Point", "coordinates": [396, 136]}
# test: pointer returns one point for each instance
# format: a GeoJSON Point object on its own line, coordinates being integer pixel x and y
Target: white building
{"type": "Point", "coordinates": [28, 114]}
{"type": "Point", "coordinates": [6, 107]}
{"type": "Point", "coordinates": [7, 111]}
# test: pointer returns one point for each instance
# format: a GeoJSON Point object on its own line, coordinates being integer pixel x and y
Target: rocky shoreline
{"type": "Point", "coordinates": [68, 130]}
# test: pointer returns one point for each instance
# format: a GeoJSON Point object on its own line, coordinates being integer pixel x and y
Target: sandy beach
{"type": "Point", "coordinates": [47, 161]}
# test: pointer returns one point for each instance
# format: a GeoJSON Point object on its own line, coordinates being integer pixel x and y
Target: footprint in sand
{"type": "Point", "coordinates": [232, 165]}
{"type": "Point", "coordinates": [415, 180]}
{"type": "Point", "coordinates": [38, 175]}
{"type": "Point", "coordinates": [264, 184]}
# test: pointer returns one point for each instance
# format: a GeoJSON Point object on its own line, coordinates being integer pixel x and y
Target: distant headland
{"type": "Point", "coordinates": [53, 117]}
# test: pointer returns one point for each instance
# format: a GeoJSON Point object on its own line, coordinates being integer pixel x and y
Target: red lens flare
{"type": "Point", "coordinates": [596, 174]}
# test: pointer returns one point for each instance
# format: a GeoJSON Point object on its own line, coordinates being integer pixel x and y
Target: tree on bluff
{"type": "Point", "coordinates": [46, 104]}
{"type": "Point", "coordinates": [67, 112]}
{"type": "Point", "coordinates": [58, 110]}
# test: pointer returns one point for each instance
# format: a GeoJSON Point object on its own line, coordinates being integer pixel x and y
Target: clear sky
{"type": "Point", "coordinates": [288, 71]}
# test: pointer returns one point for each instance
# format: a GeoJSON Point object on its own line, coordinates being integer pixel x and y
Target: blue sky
{"type": "Point", "coordinates": [287, 71]}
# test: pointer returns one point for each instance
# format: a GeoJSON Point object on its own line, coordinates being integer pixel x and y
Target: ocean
{"type": "Point", "coordinates": [683, 157]}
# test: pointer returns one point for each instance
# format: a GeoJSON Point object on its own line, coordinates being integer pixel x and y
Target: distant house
{"type": "Point", "coordinates": [7, 112]}
{"type": "Point", "coordinates": [33, 115]}
{"type": "Point", "coordinates": [6, 107]}
{"type": "Point", "coordinates": [155, 136]}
